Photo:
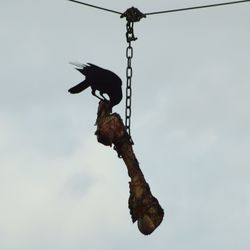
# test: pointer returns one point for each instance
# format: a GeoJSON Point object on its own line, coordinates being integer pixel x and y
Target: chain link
{"type": "Point", "coordinates": [132, 15]}
{"type": "Point", "coordinates": [129, 74]}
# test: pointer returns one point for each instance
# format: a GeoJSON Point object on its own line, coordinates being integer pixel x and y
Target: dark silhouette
{"type": "Point", "coordinates": [100, 79]}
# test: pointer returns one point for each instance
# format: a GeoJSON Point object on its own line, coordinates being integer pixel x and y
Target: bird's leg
{"type": "Point", "coordinates": [102, 95]}
{"type": "Point", "coordinates": [94, 94]}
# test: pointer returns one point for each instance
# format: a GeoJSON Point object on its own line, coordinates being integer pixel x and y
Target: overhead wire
{"type": "Point", "coordinates": [196, 7]}
{"type": "Point", "coordinates": [97, 7]}
{"type": "Point", "coordinates": [165, 11]}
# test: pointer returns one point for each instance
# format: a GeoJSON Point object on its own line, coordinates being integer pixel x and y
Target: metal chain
{"type": "Point", "coordinates": [132, 15]}
{"type": "Point", "coordinates": [129, 73]}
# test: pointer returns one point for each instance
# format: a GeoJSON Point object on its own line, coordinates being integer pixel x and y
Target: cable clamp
{"type": "Point", "coordinates": [133, 15]}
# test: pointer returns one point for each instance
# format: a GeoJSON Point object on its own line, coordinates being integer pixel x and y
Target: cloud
{"type": "Point", "coordinates": [60, 189]}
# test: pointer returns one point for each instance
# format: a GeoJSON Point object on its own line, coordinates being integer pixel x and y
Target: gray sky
{"type": "Point", "coordinates": [61, 190]}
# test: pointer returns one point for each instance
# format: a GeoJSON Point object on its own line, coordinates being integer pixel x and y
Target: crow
{"type": "Point", "coordinates": [100, 79]}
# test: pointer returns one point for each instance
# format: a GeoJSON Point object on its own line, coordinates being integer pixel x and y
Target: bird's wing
{"type": "Point", "coordinates": [103, 73]}
{"type": "Point", "coordinates": [96, 68]}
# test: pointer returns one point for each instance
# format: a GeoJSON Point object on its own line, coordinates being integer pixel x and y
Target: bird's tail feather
{"type": "Point", "coordinates": [79, 87]}
{"type": "Point", "coordinates": [79, 65]}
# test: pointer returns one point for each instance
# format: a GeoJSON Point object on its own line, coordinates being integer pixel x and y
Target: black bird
{"type": "Point", "coordinates": [100, 79]}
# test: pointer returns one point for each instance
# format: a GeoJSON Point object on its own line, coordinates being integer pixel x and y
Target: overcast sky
{"type": "Point", "coordinates": [61, 190]}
